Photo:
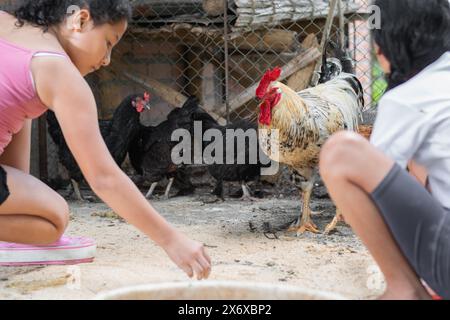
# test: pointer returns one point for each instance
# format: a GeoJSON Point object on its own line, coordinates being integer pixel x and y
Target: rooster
{"type": "Point", "coordinates": [305, 120]}
{"type": "Point", "coordinates": [117, 133]}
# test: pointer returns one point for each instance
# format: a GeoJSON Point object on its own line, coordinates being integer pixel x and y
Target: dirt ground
{"type": "Point", "coordinates": [246, 240]}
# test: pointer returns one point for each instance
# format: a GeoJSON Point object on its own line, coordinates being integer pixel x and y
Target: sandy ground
{"type": "Point", "coordinates": [235, 233]}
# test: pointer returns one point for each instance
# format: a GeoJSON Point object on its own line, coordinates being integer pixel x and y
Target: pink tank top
{"type": "Point", "coordinates": [18, 98]}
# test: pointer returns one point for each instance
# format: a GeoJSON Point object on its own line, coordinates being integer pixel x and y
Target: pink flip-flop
{"type": "Point", "coordinates": [66, 251]}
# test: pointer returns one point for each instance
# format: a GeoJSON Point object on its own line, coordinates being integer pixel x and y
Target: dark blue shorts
{"type": "Point", "coordinates": [420, 226]}
{"type": "Point", "coordinates": [4, 191]}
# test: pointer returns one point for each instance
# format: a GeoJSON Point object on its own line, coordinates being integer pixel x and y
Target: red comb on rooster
{"type": "Point", "coordinates": [269, 98]}
{"type": "Point", "coordinates": [141, 104]}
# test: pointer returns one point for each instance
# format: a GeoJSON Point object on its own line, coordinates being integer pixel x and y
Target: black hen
{"type": "Point", "coordinates": [117, 133]}
{"type": "Point", "coordinates": [239, 171]}
{"type": "Point", "coordinates": [150, 153]}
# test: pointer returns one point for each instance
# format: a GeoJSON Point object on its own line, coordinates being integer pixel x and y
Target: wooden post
{"type": "Point", "coordinates": [274, 40]}
{"type": "Point", "coordinates": [325, 37]}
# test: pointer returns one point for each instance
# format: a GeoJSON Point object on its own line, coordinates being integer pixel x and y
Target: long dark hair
{"type": "Point", "coordinates": [48, 13]}
{"type": "Point", "coordinates": [413, 34]}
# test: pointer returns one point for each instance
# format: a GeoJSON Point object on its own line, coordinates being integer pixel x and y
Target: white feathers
{"type": "Point", "coordinates": [337, 92]}
{"type": "Point", "coordinates": [306, 119]}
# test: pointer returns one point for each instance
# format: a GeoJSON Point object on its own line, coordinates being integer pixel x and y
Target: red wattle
{"type": "Point", "coordinates": [140, 107]}
{"type": "Point", "coordinates": [271, 100]}
{"type": "Point", "coordinates": [265, 114]}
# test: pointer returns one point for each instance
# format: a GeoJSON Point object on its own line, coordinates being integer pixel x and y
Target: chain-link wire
{"type": "Point", "coordinates": [217, 50]}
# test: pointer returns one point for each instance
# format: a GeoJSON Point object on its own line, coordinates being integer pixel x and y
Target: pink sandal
{"type": "Point", "coordinates": [68, 250]}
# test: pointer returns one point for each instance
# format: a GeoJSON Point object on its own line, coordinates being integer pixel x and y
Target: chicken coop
{"type": "Point", "coordinates": [217, 51]}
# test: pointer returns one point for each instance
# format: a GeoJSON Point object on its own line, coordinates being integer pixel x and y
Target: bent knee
{"type": "Point", "coordinates": [340, 150]}
{"type": "Point", "coordinates": [59, 215]}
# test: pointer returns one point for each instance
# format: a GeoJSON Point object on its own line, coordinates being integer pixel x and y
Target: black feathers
{"type": "Point", "coordinates": [150, 153]}
{"type": "Point", "coordinates": [117, 133]}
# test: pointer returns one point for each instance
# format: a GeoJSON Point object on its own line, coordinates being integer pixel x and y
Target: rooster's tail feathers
{"type": "Point", "coordinates": [343, 55]}
{"type": "Point", "coordinates": [338, 63]}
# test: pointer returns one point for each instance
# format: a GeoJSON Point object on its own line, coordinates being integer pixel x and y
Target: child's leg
{"type": "Point", "coordinates": [33, 213]}
{"type": "Point", "coordinates": [352, 168]}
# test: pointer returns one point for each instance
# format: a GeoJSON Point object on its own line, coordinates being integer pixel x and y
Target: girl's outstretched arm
{"type": "Point", "coordinates": [63, 88]}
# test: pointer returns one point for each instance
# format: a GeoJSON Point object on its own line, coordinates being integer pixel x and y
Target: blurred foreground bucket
{"type": "Point", "coordinates": [216, 290]}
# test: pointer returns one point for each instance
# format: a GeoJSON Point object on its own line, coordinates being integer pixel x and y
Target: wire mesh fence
{"type": "Point", "coordinates": [217, 50]}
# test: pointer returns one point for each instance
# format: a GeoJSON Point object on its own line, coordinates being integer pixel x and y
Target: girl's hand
{"type": "Point", "coordinates": [188, 255]}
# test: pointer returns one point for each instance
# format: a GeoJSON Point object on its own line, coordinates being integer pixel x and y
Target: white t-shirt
{"type": "Point", "coordinates": [413, 123]}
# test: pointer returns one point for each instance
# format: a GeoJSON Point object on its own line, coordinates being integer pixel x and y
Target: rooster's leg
{"type": "Point", "coordinates": [169, 186]}
{"type": "Point", "coordinates": [332, 225]}
{"type": "Point", "coordinates": [76, 189]}
{"type": "Point", "coordinates": [246, 194]}
{"type": "Point", "coordinates": [150, 191]}
{"type": "Point", "coordinates": [304, 222]}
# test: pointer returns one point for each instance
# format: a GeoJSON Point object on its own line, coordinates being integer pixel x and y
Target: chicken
{"type": "Point", "coordinates": [304, 121]}
{"type": "Point", "coordinates": [151, 151]}
{"type": "Point", "coordinates": [243, 172]}
{"type": "Point", "coordinates": [150, 156]}
{"type": "Point", "coordinates": [117, 133]}
{"type": "Point", "coordinates": [237, 172]}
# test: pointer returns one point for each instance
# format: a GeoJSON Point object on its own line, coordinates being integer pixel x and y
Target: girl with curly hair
{"type": "Point", "coordinates": [46, 49]}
